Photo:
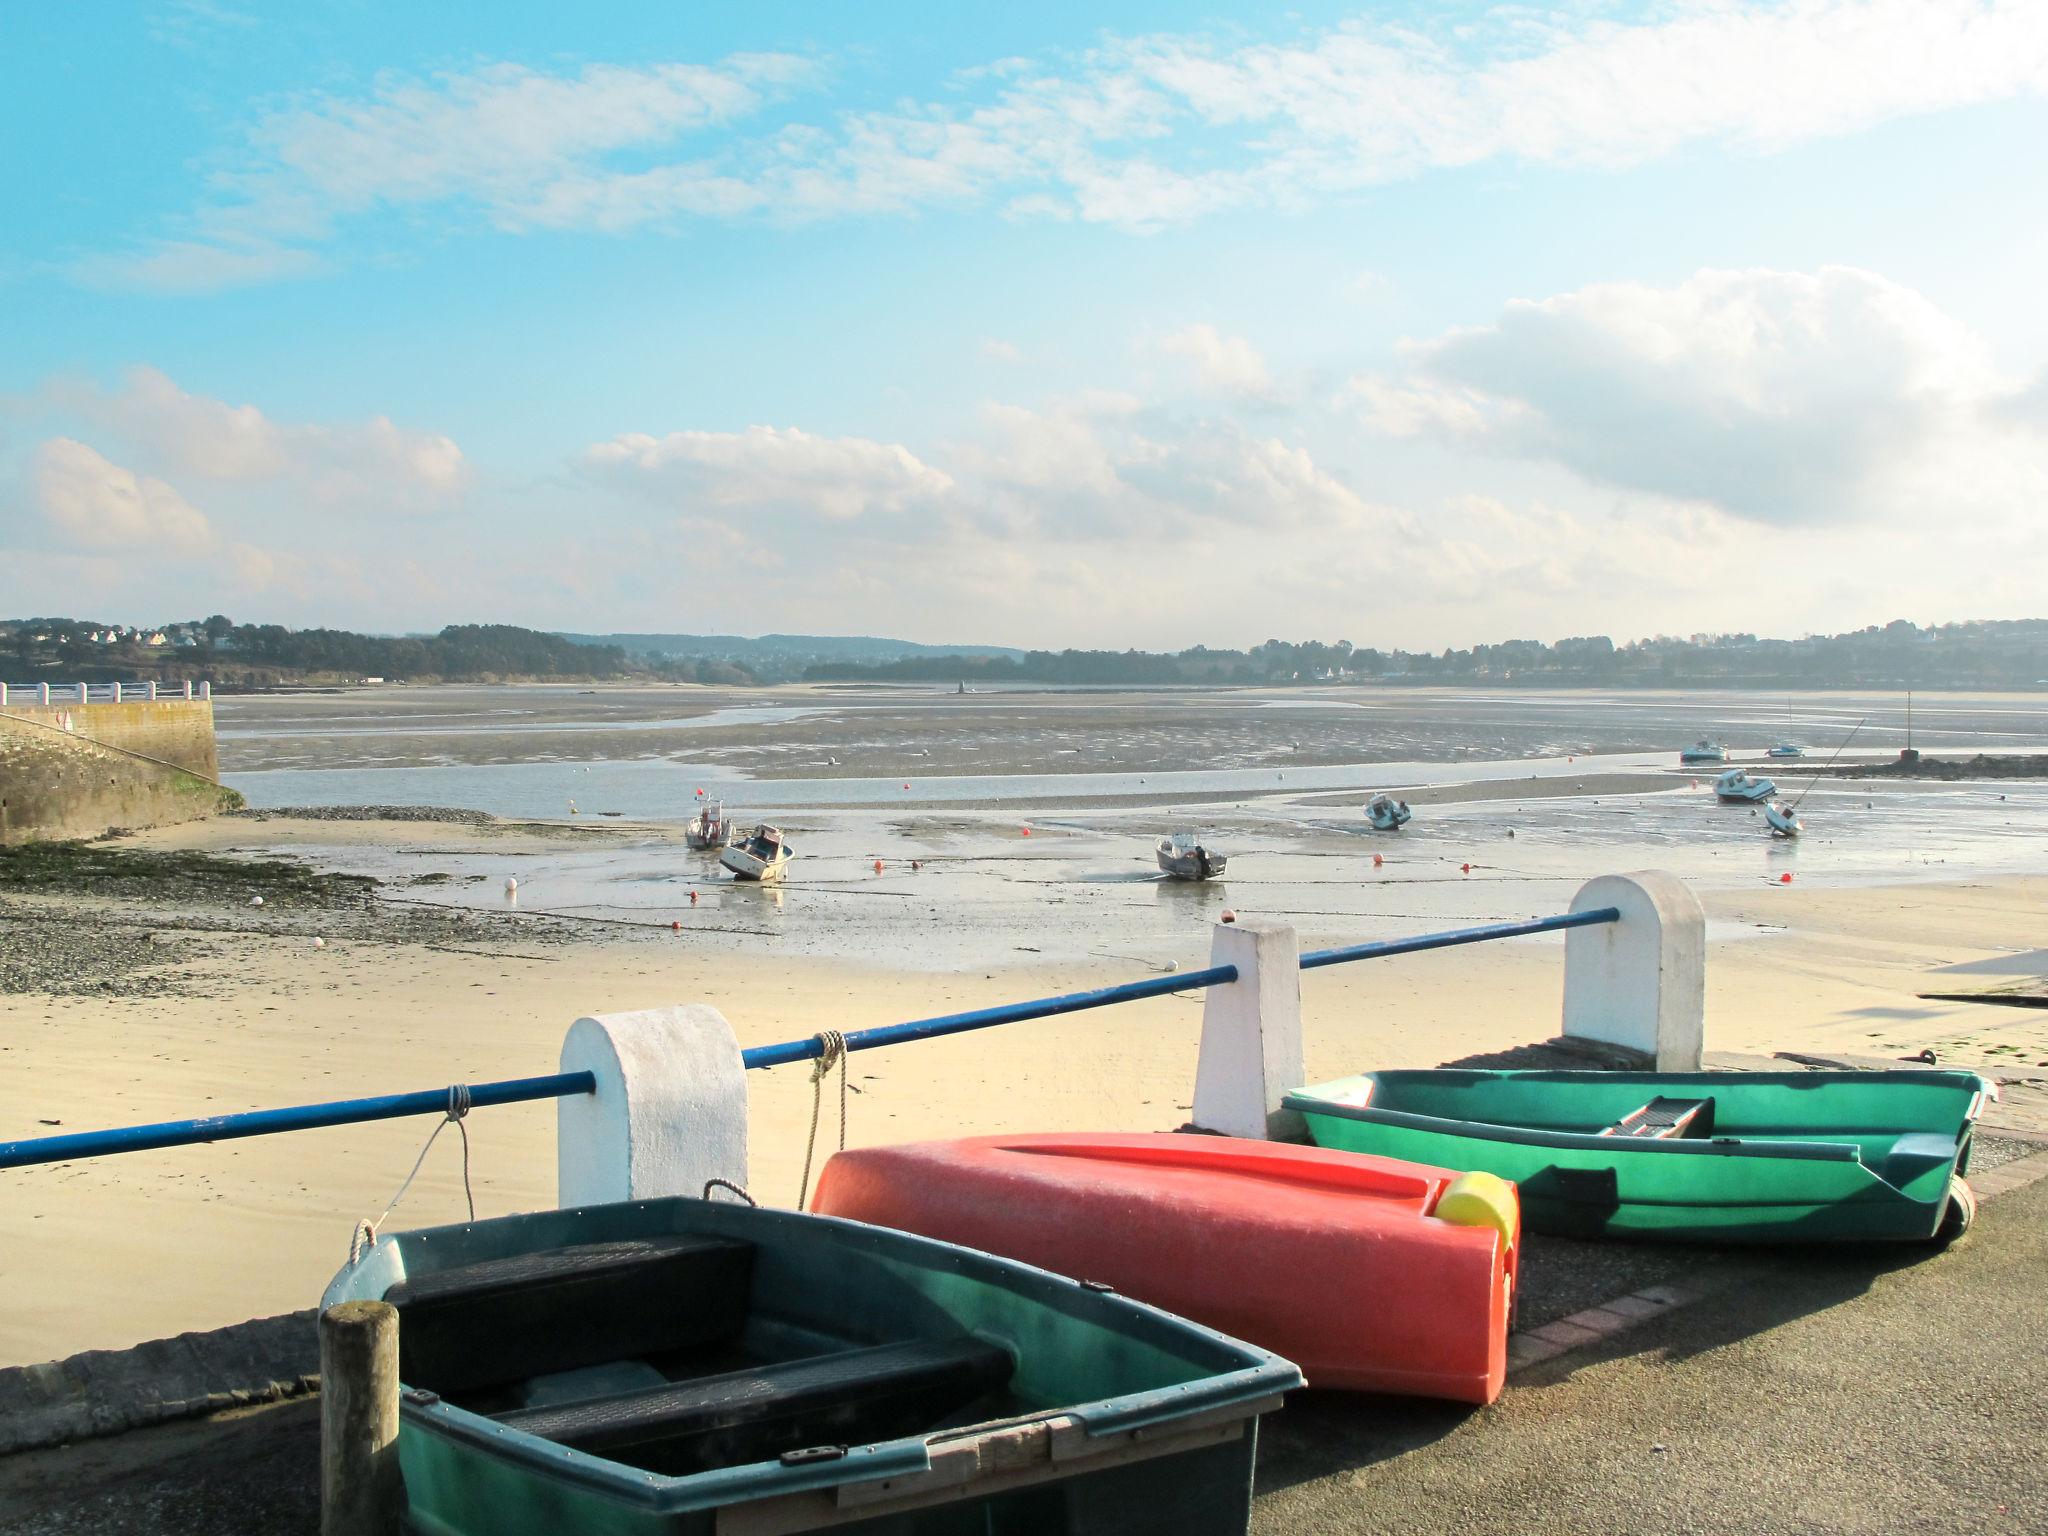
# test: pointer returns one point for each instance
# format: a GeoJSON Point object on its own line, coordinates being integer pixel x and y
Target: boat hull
{"type": "Point", "coordinates": [745, 866]}
{"type": "Point", "coordinates": [1189, 866]}
{"type": "Point", "coordinates": [1794, 1157]}
{"type": "Point", "coordinates": [1113, 1411]}
{"type": "Point", "coordinates": [1334, 1262]}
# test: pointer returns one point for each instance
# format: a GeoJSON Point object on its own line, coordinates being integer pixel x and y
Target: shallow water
{"type": "Point", "coordinates": [1084, 881]}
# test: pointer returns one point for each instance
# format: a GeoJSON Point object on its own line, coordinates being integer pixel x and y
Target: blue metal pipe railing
{"type": "Point", "coordinates": [300, 1117]}
{"type": "Point", "coordinates": [1382, 947]}
{"type": "Point", "coordinates": [982, 1018]}
{"type": "Point", "coordinates": [306, 1117]}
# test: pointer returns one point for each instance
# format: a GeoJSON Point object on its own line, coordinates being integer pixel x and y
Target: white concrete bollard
{"type": "Point", "coordinates": [670, 1110]}
{"type": "Point", "coordinates": [1251, 1033]}
{"type": "Point", "coordinates": [1640, 982]}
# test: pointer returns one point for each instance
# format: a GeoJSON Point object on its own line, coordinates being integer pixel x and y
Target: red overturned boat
{"type": "Point", "coordinates": [1372, 1275]}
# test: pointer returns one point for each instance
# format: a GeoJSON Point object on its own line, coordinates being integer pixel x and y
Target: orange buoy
{"type": "Point", "coordinates": [878, 866]}
{"type": "Point", "coordinates": [1229, 917]}
{"type": "Point", "coordinates": [676, 924]}
{"type": "Point", "coordinates": [693, 898]}
{"type": "Point", "coordinates": [1378, 859]}
{"type": "Point", "coordinates": [1785, 878]}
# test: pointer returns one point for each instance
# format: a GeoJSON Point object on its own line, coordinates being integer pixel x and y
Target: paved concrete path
{"type": "Point", "coordinates": [1855, 1394]}
{"type": "Point", "coordinates": [1845, 1393]}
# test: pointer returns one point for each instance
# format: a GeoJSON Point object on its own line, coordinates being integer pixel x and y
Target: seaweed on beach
{"type": "Point", "coordinates": [147, 874]}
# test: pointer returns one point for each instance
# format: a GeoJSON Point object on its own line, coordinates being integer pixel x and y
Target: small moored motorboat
{"type": "Point", "coordinates": [712, 828]}
{"type": "Point", "coordinates": [1782, 819]}
{"type": "Point", "coordinates": [1704, 751]}
{"type": "Point", "coordinates": [1371, 1275]}
{"type": "Point", "coordinates": [1184, 856]}
{"type": "Point", "coordinates": [1701, 1156]}
{"type": "Point", "coordinates": [1740, 785]}
{"type": "Point", "coordinates": [670, 1367]}
{"type": "Point", "coordinates": [1785, 750]}
{"type": "Point", "coordinates": [1386, 814]}
{"type": "Point", "coordinates": [762, 856]}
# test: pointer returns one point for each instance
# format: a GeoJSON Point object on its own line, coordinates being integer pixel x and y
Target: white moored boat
{"type": "Point", "coordinates": [1183, 856]}
{"type": "Point", "coordinates": [1387, 814]}
{"type": "Point", "coordinates": [763, 856]}
{"type": "Point", "coordinates": [1704, 751]}
{"type": "Point", "coordinates": [1783, 819]}
{"type": "Point", "coordinates": [1738, 784]}
{"type": "Point", "coordinates": [712, 828]}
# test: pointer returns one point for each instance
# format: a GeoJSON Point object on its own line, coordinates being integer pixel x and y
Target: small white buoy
{"type": "Point", "coordinates": [255, 901]}
{"type": "Point", "coordinates": [1171, 966]}
{"type": "Point", "coordinates": [511, 885]}
{"type": "Point", "coordinates": [318, 942]}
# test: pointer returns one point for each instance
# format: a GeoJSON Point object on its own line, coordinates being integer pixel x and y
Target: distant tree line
{"type": "Point", "coordinates": [1999, 654]}
{"type": "Point", "coordinates": [1996, 654]}
{"type": "Point", "coordinates": [256, 654]}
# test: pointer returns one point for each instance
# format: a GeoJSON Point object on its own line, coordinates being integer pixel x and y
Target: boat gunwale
{"type": "Point", "coordinates": [1814, 1149]}
{"type": "Point", "coordinates": [1253, 1386]}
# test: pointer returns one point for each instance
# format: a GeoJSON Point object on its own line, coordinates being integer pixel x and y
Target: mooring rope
{"type": "Point", "coordinates": [365, 1235]}
{"type": "Point", "coordinates": [831, 1053]}
{"type": "Point", "coordinates": [711, 1184]}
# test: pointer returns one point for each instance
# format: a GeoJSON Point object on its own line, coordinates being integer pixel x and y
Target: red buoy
{"type": "Point", "coordinates": [693, 898]}
{"type": "Point", "coordinates": [1027, 831]}
{"type": "Point", "coordinates": [1229, 917]}
{"type": "Point", "coordinates": [1378, 859]}
{"type": "Point", "coordinates": [878, 866]}
{"type": "Point", "coordinates": [1785, 878]}
{"type": "Point", "coordinates": [676, 924]}
{"type": "Point", "coordinates": [1464, 869]}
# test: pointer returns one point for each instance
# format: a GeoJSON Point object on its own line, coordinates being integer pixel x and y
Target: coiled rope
{"type": "Point", "coordinates": [831, 1053]}
{"type": "Point", "coordinates": [365, 1235]}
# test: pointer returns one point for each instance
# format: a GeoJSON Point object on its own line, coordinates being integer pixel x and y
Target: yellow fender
{"type": "Point", "coordinates": [1480, 1199]}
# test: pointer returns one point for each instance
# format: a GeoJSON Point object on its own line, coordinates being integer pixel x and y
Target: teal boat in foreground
{"type": "Point", "coordinates": [1779, 1157]}
{"type": "Point", "coordinates": [684, 1367]}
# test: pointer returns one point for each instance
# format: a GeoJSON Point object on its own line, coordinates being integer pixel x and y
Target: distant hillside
{"type": "Point", "coordinates": [789, 655]}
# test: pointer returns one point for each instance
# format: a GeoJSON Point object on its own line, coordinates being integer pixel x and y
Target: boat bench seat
{"type": "Point", "coordinates": [1912, 1155]}
{"type": "Point", "coordinates": [849, 1398]}
{"type": "Point", "coordinates": [1665, 1119]}
{"type": "Point", "coordinates": [533, 1314]}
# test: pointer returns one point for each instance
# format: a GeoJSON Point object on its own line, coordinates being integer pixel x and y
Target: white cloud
{"type": "Point", "coordinates": [1229, 365]}
{"type": "Point", "coordinates": [1139, 133]}
{"type": "Point", "coordinates": [1782, 397]}
{"type": "Point", "coordinates": [772, 469]}
{"type": "Point", "coordinates": [95, 504]}
{"type": "Point", "coordinates": [997, 350]}
{"type": "Point", "coordinates": [367, 466]}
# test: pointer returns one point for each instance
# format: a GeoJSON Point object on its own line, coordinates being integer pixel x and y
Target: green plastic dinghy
{"type": "Point", "coordinates": [680, 1368]}
{"type": "Point", "coordinates": [1755, 1157]}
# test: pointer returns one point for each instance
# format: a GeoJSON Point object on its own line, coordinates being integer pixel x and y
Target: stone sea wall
{"type": "Point", "coordinates": [78, 769]}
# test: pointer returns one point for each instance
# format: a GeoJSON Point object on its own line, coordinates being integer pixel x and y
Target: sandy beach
{"type": "Point", "coordinates": [214, 1006]}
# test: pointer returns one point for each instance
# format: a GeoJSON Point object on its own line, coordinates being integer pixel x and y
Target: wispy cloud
{"type": "Point", "coordinates": [1139, 133]}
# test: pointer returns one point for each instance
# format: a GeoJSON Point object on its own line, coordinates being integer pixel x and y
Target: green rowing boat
{"type": "Point", "coordinates": [681, 1368]}
{"type": "Point", "coordinates": [1779, 1157]}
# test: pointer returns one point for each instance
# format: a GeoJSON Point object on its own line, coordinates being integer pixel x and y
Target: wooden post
{"type": "Point", "coordinates": [360, 1490]}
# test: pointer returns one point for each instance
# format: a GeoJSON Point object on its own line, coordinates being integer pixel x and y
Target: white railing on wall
{"type": "Point", "coordinates": [99, 693]}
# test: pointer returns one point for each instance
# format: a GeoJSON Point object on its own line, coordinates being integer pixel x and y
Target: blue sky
{"type": "Point", "coordinates": [1131, 324]}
